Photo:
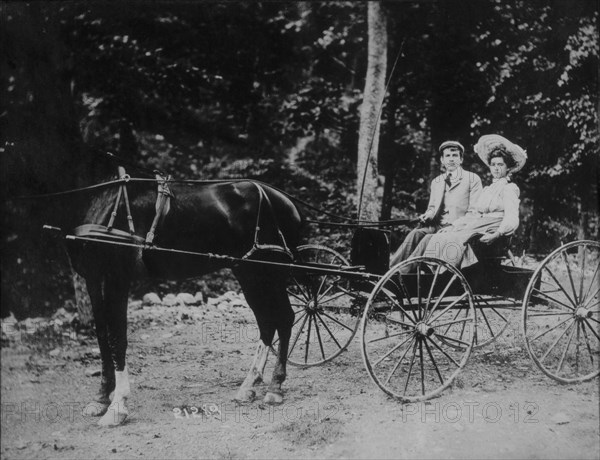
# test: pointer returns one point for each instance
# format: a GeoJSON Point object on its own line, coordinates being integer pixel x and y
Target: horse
{"type": "Point", "coordinates": [244, 220]}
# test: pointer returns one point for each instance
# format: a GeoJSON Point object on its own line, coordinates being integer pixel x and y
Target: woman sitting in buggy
{"type": "Point", "coordinates": [497, 207]}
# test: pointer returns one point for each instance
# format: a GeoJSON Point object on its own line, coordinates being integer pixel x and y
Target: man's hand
{"type": "Point", "coordinates": [489, 237]}
{"type": "Point", "coordinates": [424, 218]}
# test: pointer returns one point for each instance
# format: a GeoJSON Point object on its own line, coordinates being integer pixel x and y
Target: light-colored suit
{"type": "Point", "coordinates": [446, 204]}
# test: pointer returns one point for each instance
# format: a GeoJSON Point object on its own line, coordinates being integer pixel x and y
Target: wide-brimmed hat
{"type": "Point", "coordinates": [447, 144]}
{"type": "Point", "coordinates": [489, 142]}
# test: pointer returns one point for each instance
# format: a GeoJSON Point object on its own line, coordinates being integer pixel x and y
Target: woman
{"type": "Point", "coordinates": [497, 207]}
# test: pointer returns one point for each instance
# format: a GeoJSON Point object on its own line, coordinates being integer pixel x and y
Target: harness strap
{"type": "Point", "coordinates": [163, 205]}
{"type": "Point", "coordinates": [122, 192]}
{"type": "Point", "coordinates": [256, 246]}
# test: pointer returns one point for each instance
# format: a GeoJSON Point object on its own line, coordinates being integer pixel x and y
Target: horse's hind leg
{"type": "Point", "coordinates": [266, 295]}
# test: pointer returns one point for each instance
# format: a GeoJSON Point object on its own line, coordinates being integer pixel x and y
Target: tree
{"type": "Point", "coordinates": [373, 95]}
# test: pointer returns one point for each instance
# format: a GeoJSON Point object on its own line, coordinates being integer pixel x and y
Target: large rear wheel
{"type": "Point", "coordinates": [414, 343]}
{"type": "Point", "coordinates": [561, 313]}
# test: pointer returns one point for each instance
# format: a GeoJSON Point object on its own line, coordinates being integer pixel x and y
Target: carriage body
{"type": "Point", "coordinates": [418, 329]}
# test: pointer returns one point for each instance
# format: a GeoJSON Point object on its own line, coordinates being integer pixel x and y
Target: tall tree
{"type": "Point", "coordinates": [374, 92]}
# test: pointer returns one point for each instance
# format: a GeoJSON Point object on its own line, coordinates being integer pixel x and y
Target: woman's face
{"type": "Point", "coordinates": [498, 167]}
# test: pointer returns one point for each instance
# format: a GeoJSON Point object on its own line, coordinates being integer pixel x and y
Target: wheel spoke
{"type": "Point", "coordinates": [336, 321]}
{"type": "Point", "coordinates": [564, 353]}
{"type": "Point", "coordinates": [412, 361]}
{"type": "Point", "coordinates": [555, 342]}
{"type": "Point", "coordinates": [444, 353]}
{"type": "Point", "coordinates": [396, 304]}
{"type": "Point", "coordinates": [318, 294]}
{"type": "Point", "coordinates": [422, 367]}
{"type": "Point", "coordinates": [387, 380]}
{"type": "Point", "coordinates": [454, 321]}
{"type": "Point", "coordinates": [587, 343]}
{"type": "Point", "coordinates": [550, 314]}
{"type": "Point", "coordinates": [445, 337]}
{"type": "Point", "coordinates": [560, 286]}
{"type": "Point", "coordinates": [318, 337]}
{"type": "Point", "coordinates": [393, 349]}
{"type": "Point", "coordinates": [566, 260]}
{"type": "Point", "coordinates": [419, 310]}
{"type": "Point", "coordinates": [437, 370]}
{"type": "Point", "coordinates": [582, 264]}
{"type": "Point", "coordinates": [435, 276]}
{"type": "Point", "coordinates": [552, 299]}
{"type": "Point", "coordinates": [551, 329]}
{"type": "Point", "coordinates": [441, 296]}
{"type": "Point", "coordinates": [448, 307]}
{"type": "Point", "coordinates": [328, 331]}
{"type": "Point", "coordinates": [587, 302]}
{"type": "Point", "coordinates": [592, 281]}
{"type": "Point", "coordinates": [307, 338]}
{"type": "Point", "coordinates": [297, 336]}
{"type": "Point", "coordinates": [591, 329]}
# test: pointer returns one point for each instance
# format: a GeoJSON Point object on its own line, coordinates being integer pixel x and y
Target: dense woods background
{"type": "Point", "coordinates": [273, 91]}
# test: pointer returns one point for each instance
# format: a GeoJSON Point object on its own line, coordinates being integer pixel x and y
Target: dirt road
{"type": "Point", "coordinates": [186, 363]}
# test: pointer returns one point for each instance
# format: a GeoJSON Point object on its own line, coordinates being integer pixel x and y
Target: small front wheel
{"type": "Point", "coordinates": [327, 309]}
{"type": "Point", "coordinates": [418, 328]}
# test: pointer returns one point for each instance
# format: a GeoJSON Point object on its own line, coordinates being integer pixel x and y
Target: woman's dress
{"type": "Point", "coordinates": [497, 210]}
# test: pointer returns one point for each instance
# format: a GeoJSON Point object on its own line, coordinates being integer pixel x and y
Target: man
{"type": "Point", "coordinates": [453, 194]}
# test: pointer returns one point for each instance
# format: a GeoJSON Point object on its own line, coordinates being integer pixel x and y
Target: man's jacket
{"type": "Point", "coordinates": [448, 203]}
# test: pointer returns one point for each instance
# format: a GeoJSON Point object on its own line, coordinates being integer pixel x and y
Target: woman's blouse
{"type": "Point", "coordinates": [500, 199]}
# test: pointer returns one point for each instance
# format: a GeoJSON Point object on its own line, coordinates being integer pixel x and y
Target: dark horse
{"type": "Point", "coordinates": [245, 220]}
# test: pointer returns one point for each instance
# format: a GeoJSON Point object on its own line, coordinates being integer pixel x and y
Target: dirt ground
{"type": "Point", "coordinates": [186, 363]}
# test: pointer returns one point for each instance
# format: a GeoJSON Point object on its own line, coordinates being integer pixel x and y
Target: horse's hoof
{"type": "Point", "coordinates": [95, 409]}
{"type": "Point", "coordinates": [245, 396]}
{"type": "Point", "coordinates": [273, 398]}
{"type": "Point", "coordinates": [115, 415]}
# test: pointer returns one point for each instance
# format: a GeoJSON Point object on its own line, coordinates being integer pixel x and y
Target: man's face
{"type": "Point", "coordinates": [451, 158]}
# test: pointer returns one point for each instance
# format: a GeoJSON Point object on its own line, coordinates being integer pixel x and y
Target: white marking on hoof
{"type": "Point", "coordinates": [115, 414]}
{"type": "Point", "coordinates": [273, 399]}
{"type": "Point", "coordinates": [245, 395]}
{"type": "Point", "coordinates": [95, 409]}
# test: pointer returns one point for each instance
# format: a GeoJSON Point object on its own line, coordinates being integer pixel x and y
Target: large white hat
{"type": "Point", "coordinates": [489, 142]}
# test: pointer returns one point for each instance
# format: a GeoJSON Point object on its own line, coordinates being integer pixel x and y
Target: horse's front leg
{"type": "Point", "coordinates": [107, 384]}
{"type": "Point", "coordinates": [116, 292]}
{"type": "Point", "coordinates": [246, 392]}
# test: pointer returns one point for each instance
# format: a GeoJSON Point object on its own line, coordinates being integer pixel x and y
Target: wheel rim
{"type": "Point", "coordinates": [326, 310]}
{"type": "Point", "coordinates": [561, 313]}
{"type": "Point", "coordinates": [407, 326]}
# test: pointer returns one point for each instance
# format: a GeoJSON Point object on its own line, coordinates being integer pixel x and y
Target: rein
{"type": "Point", "coordinates": [125, 179]}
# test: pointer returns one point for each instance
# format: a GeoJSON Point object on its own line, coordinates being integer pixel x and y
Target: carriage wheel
{"type": "Point", "coordinates": [327, 310]}
{"type": "Point", "coordinates": [408, 323]}
{"type": "Point", "coordinates": [561, 313]}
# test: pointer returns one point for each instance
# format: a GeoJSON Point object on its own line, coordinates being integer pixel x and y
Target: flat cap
{"type": "Point", "coordinates": [447, 144]}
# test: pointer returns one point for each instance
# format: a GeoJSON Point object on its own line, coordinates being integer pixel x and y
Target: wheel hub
{"type": "Point", "coordinates": [582, 313]}
{"type": "Point", "coordinates": [311, 305]}
{"type": "Point", "coordinates": [424, 329]}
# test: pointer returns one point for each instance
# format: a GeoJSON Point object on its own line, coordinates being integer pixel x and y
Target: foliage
{"type": "Point", "coordinates": [227, 89]}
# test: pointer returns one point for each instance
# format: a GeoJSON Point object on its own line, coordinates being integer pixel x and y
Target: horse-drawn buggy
{"type": "Point", "coordinates": [417, 328]}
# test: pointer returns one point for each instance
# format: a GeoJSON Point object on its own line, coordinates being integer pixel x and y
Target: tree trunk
{"type": "Point", "coordinates": [368, 139]}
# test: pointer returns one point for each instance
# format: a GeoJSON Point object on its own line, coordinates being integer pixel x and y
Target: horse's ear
{"type": "Point", "coordinates": [128, 148]}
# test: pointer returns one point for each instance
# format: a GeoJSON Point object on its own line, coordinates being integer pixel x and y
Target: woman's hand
{"type": "Point", "coordinates": [489, 237]}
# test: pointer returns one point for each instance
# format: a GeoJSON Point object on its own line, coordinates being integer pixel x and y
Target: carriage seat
{"type": "Point", "coordinates": [490, 254]}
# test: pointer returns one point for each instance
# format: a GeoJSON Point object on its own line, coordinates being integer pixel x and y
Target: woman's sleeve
{"type": "Point", "coordinates": [510, 201]}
